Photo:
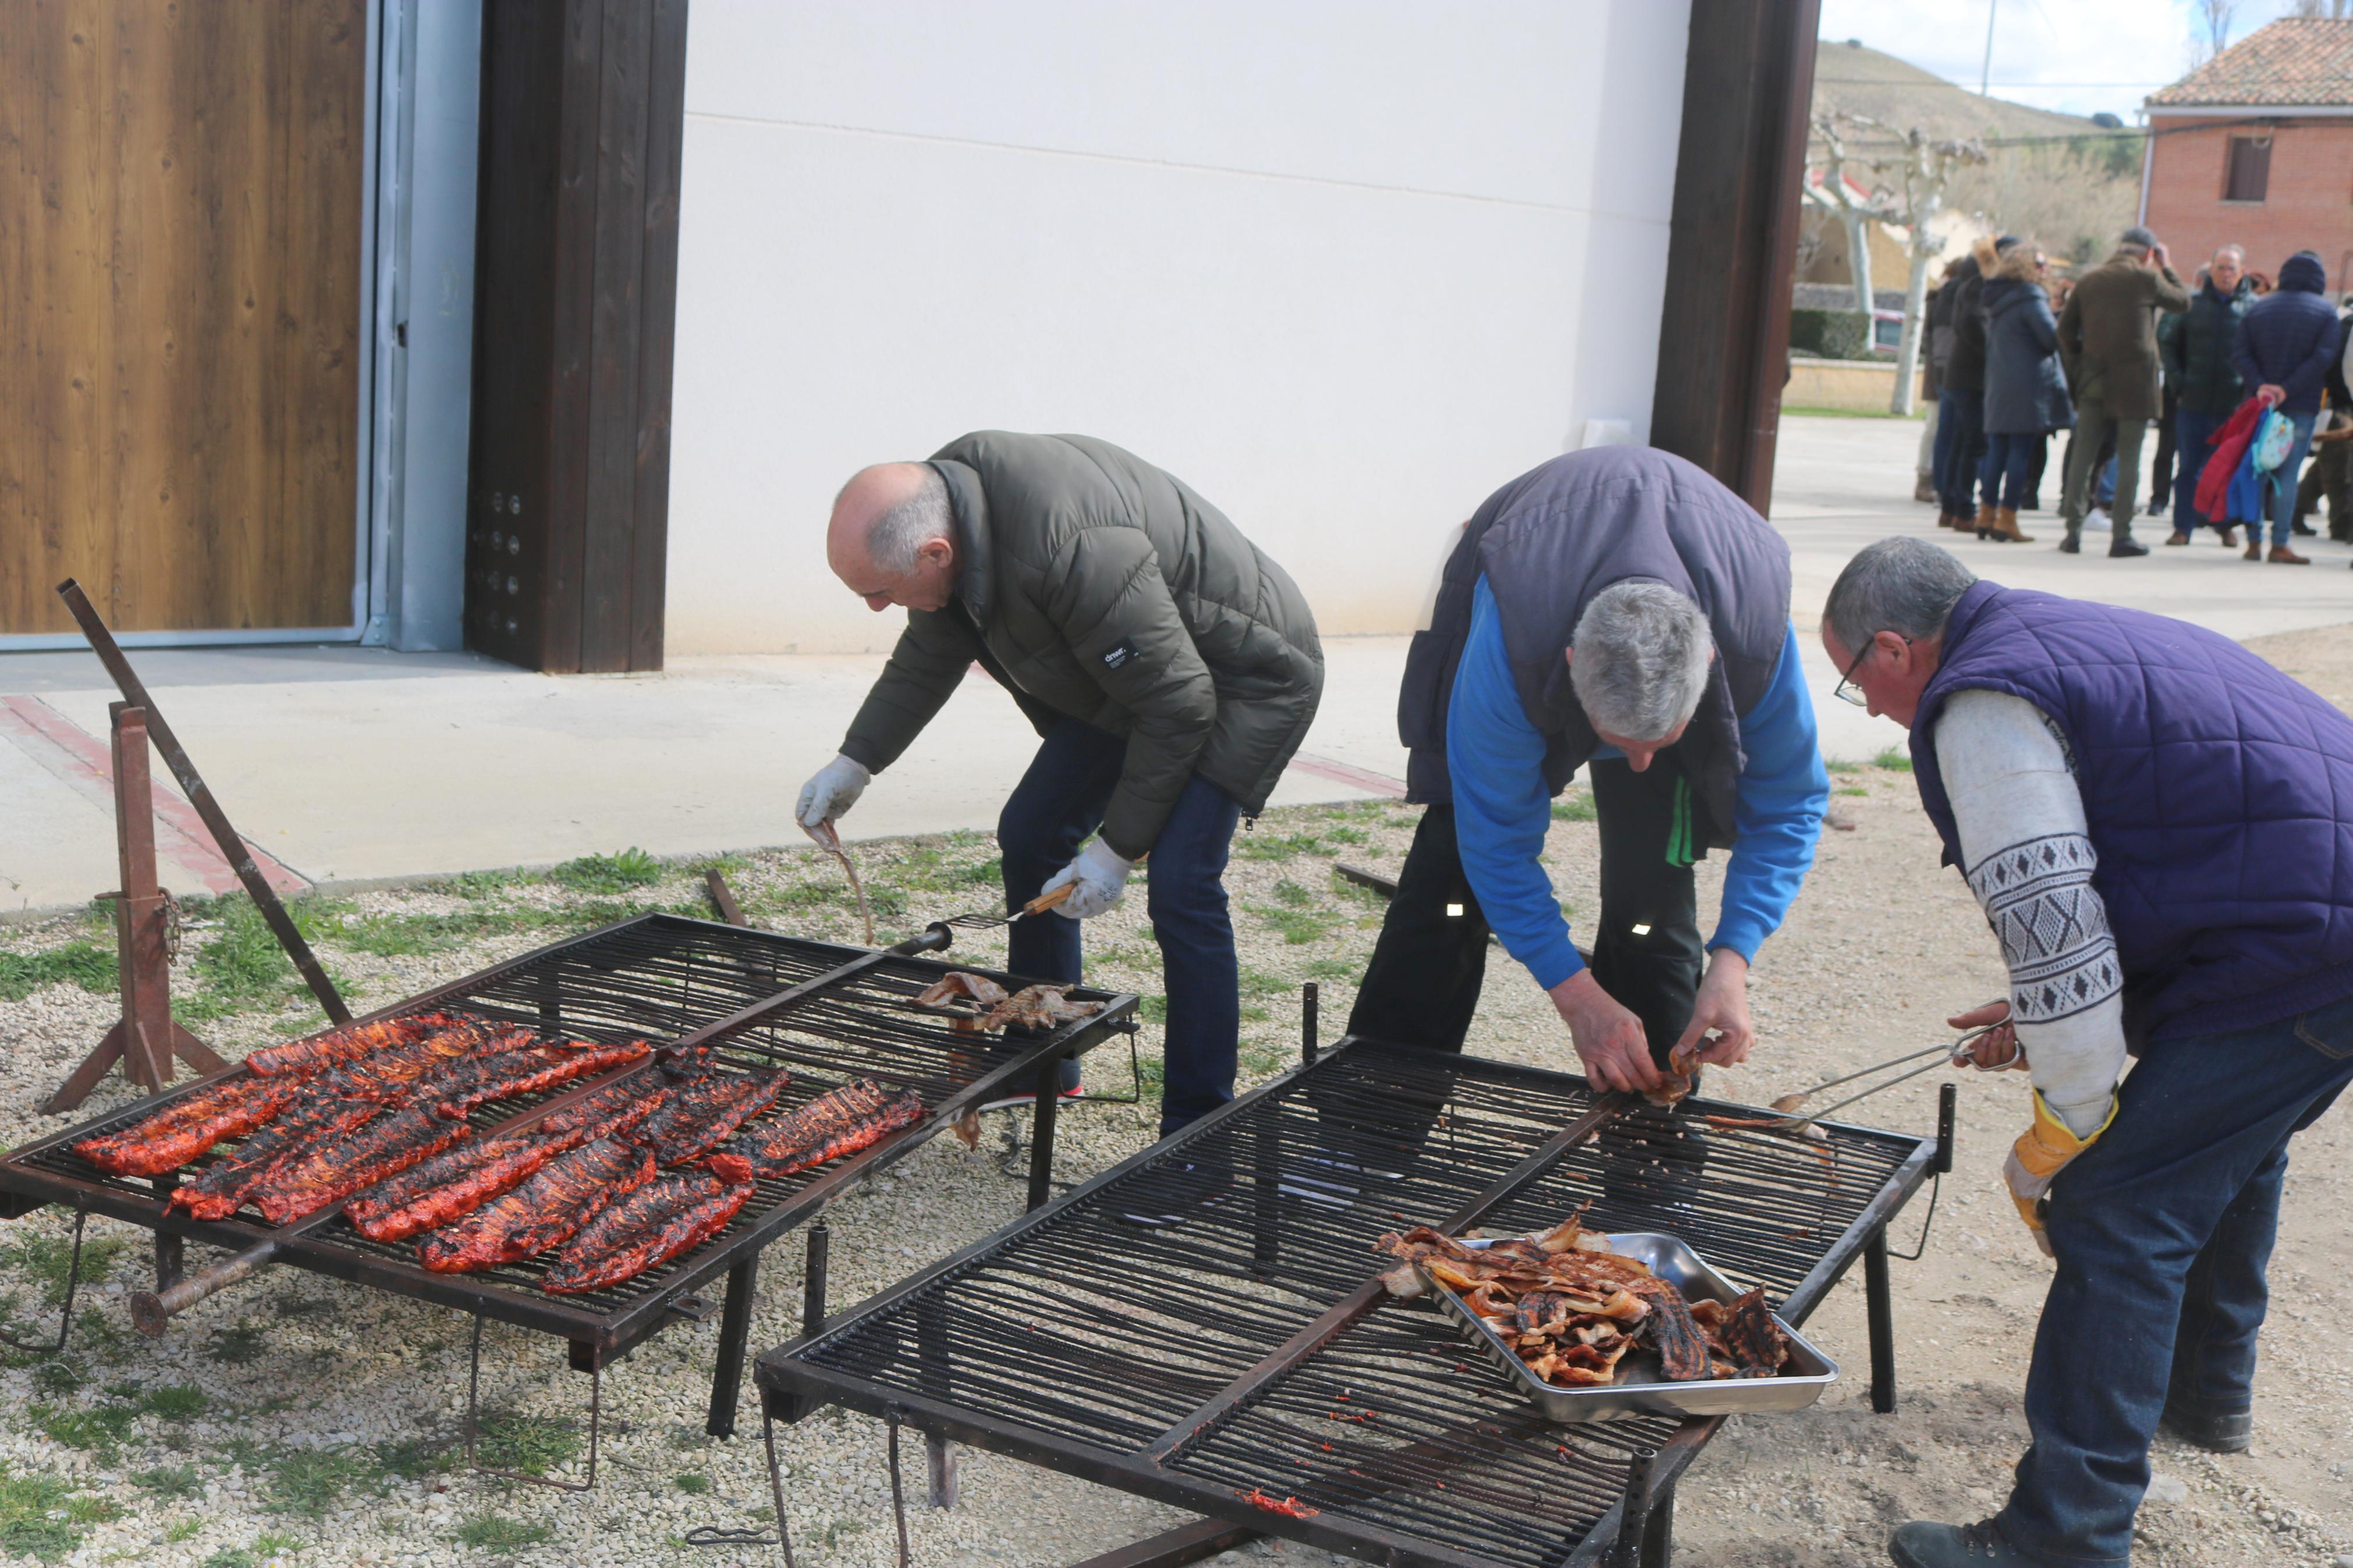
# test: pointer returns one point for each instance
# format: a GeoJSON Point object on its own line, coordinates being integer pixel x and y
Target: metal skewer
{"type": "Point", "coordinates": [1791, 1101]}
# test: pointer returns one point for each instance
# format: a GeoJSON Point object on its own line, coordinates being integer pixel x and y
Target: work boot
{"type": "Point", "coordinates": [2229, 1432]}
{"type": "Point", "coordinates": [2254, 546]}
{"type": "Point", "coordinates": [2177, 537]}
{"type": "Point", "coordinates": [2073, 544]}
{"type": "Point", "coordinates": [2282, 555]}
{"type": "Point", "coordinates": [2005, 526]}
{"type": "Point", "coordinates": [2124, 546]}
{"type": "Point", "coordinates": [1920, 1544]}
{"type": "Point", "coordinates": [1984, 524]}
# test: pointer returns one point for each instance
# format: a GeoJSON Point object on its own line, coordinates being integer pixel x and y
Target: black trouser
{"type": "Point", "coordinates": [1423, 982]}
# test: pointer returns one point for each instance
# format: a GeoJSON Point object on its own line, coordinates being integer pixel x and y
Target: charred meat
{"type": "Point", "coordinates": [959, 986]}
{"type": "Point", "coordinates": [1037, 1007]}
{"type": "Point", "coordinates": [328, 1171]}
{"type": "Point", "coordinates": [472, 1080]}
{"type": "Point", "coordinates": [614, 1109]}
{"type": "Point", "coordinates": [389, 1075]}
{"type": "Point", "coordinates": [452, 1185]}
{"type": "Point", "coordinates": [840, 1121]}
{"type": "Point", "coordinates": [647, 1229]}
{"type": "Point", "coordinates": [705, 1112]}
{"type": "Point", "coordinates": [545, 1211]}
{"type": "Point", "coordinates": [301, 1058]}
{"type": "Point", "coordinates": [228, 1180]}
{"type": "Point", "coordinates": [177, 1134]}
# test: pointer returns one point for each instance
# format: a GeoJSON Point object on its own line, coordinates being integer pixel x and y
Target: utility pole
{"type": "Point", "coordinates": [1984, 76]}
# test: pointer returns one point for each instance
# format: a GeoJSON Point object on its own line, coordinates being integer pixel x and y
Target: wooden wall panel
{"type": "Point", "coordinates": [180, 310]}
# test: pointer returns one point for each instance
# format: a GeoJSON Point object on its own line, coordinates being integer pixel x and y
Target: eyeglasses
{"type": "Point", "coordinates": [1847, 690]}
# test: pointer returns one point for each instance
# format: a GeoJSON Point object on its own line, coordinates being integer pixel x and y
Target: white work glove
{"type": "Point", "coordinates": [1098, 876]}
{"type": "Point", "coordinates": [834, 790]}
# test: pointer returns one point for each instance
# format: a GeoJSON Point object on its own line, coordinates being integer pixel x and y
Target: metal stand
{"type": "Point", "coordinates": [473, 1409]}
{"type": "Point", "coordinates": [1041, 1131]}
{"type": "Point", "coordinates": [1634, 1513]}
{"type": "Point", "coordinates": [1175, 1548]}
{"type": "Point", "coordinates": [73, 1282]}
{"type": "Point", "coordinates": [170, 1259]}
{"type": "Point", "coordinates": [144, 1039]}
{"type": "Point", "coordinates": [898, 1491]}
{"type": "Point", "coordinates": [1879, 1308]}
{"type": "Point", "coordinates": [734, 1328]}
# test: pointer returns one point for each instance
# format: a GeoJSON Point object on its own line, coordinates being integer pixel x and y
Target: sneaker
{"type": "Point", "coordinates": [2099, 522]}
{"type": "Point", "coordinates": [1981, 1545]}
{"type": "Point", "coordinates": [1172, 1195]}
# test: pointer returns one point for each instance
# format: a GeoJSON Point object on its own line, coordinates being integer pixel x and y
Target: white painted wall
{"type": "Point", "coordinates": [1344, 266]}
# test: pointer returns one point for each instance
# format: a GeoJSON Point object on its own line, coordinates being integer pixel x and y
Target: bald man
{"type": "Point", "coordinates": [1169, 666]}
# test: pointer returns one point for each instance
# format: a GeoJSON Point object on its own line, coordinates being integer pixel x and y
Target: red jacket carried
{"type": "Point", "coordinates": [2230, 444]}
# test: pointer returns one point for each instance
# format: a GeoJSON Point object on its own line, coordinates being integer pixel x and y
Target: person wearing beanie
{"type": "Point", "coordinates": [2286, 342]}
{"type": "Point", "coordinates": [2107, 337]}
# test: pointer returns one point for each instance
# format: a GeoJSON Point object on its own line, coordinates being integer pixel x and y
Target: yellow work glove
{"type": "Point", "coordinates": [2041, 1152]}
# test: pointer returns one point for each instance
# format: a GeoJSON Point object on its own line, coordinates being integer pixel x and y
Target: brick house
{"type": "Point", "coordinates": [2255, 149]}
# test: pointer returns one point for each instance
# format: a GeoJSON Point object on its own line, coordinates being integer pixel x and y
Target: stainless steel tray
{"type": "Point", "coordinates": [1638, 1391]}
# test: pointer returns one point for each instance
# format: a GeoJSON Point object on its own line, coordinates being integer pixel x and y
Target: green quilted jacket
{"type": "Point", "coordinates": [1091, 585]}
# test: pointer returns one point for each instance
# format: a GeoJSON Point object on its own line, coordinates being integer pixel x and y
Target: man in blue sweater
{"type": "Point", "coordinates": [2286, 343]}
{"type": "Point", "coordinates": [1620, 611]}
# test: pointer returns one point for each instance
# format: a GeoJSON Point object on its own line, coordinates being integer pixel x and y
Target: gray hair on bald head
{"type": "Point", "coordinates": [1904, 586]}
{"type": "Point", "coordinates": [1640, 659]}
{"type": "Point", "coordinates": [894, 536]}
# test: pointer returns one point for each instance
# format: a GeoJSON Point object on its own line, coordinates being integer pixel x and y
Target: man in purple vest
{"type": "Point", "coordinates": [2159, 826]}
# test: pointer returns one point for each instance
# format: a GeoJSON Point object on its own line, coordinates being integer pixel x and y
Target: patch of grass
{"type": "Point", "coordinates": [512, 1440]}
{"type": "Point", "coordinates": [692, 1486]}
{"type": "Point", "coordinates": [1575, 806]}
{"type": "Point", "coordinates": [632, 868]}
{"type": "Point", "coordinates": [1851, 789]}
{"type": "Point", "coordinates": [479, 884]}
{"type": "Point", "coordinates": [309, 1483]}
{"type": "Point", "coordinates": [176, 1401]}
{"type": "Point", "coordinates": [1258, 982]}
{"type": "Point", "coordinates": [1296, 927]}
{"type": "Point", "coordinates": [45, 1518]}
{"type": "Point", "coordinates": [82, 964]}
{"type": "Point", "coordinates": [95, 1332]}
{"type": "Point", "coordinates": [49, 1261]}
{"type": "Point", "coordinates": [232, 1557]}
{"type": "Point", "coordinates": [187, 1529]}
{"type": "Point", "coordinates": [99, 1429]}
{"type": "Point", "coordinates": [237, 1346]}
{"type": "Point", "coordinates": [494, 1532]}
{"type": "Point", "coordinates": [1347, 969]}
{"type": "Point", "coordinates": [1289, 892]}
{"type": "Point", "coordinates": [269, 1543]}
{"type": "Point", "coordinates": [415, 1459]}
{"type": "Point", "coordinates": [1843, 767]}
{"type": "Point", "coordinates": [293, 1304]}
{"type": "Point", "coordinates": [1896, 759]}
{"type": "Point", "coordinates": [57, 1378]}
{"type": "Point", "coordinates": [1152, 1009]}
{"type": "Point", "coordinates": [171, 1482]}
{"type": "Point", "coordinates": [1344, 835]}
{"type": "Point", "coordinates": [404, 935]}
{"type": "Point", "coordinates": [1277, 846]}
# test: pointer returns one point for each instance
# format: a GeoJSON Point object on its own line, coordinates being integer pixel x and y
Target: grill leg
{"type": "Point", "coordinates": [169, 1251]}
{"type": "Point", "coordinates": [1266, 1213]}
{"type": "Point", "coordinates": [940, 1460]}
{"type": "Point", "coordinates": [734, 1328]}
{"type": "Point", "coordinates": [1880, 1309]}
{"type": "Point", "coordinates": [73, 1283]}
{"type": "Point", "coordinates": [1659, 1538]}
{"type": "Point", "coordinates": [1041, 1132]}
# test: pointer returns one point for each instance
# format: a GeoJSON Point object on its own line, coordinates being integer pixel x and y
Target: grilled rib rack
{"type": "Point", "coordinates": [1246, 1365]}
{"type": "Point", "coordinates": [831, 1013]}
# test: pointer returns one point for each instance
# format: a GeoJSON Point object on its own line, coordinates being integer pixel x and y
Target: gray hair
{"type": "Point", "coordinates": [2221, 250]}
{"type": "Point", "coordinates": [1904, 586]}
{"type": "Point", "coordinates": [892, 538]}
{"type": "Point", "coordinates": [1639, 664]}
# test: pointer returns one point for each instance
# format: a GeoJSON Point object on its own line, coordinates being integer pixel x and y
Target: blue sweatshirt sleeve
{"type": "Point", "coordinates": [1778, 815]}
{"type": "Point", "coordinates": [1502, 808]}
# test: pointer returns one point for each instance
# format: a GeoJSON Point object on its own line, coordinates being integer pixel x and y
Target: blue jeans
{"type": "Point", "coordinates": [2008, 457]}
{"type": "Point", "coordinates": [1058, 802]}
{"type": "Point", "coordinates": [2163, 1229]}
{"type": "Point", "coordinates": [1960, 447]}
{"type": "Point", "coordinates": [2191, 432]}
{"type": "Point", "coordinates": [2281, 480]}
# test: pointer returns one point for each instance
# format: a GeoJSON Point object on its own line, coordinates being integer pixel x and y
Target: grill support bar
{"type": "Point", "coordinates": [73, 1283]}
{"type": "Point", "coordinates": [1878, 1306]}
{"type": "Point", "coordinates": [1049, 1103]}
{"type": "Point", "coordinates": [1175, 1548]}
{"type": "Point", "coordinates": [734, 1330]}
{"type": "Point", "coordinates": [473, 1423]}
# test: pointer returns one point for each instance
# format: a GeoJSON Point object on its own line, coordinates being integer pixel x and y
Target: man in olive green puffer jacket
{"type": "Point", "coordinates": [1170, 665]}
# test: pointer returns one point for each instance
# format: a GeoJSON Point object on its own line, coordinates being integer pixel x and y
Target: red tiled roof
{"type": "Point", "coordinates": [2295, 60]}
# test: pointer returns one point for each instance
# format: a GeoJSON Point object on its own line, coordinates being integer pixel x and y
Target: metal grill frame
{"type": "Point", "coordinates": [792, 1385]}
{"type": "Point", "coordinates": [596, 1338]}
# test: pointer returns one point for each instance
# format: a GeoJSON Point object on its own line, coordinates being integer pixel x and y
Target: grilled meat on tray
{"type": "Point", "coordinates": [840, 1121]}
{"type": "Point", "coordinates": [706, 1110]}
{"type": "Point", "coordinates": [431, 1195]}
{"type": "Point", "coordinates": [178, 1133]}
{"type": "Point", "coordinates": [328, 1171]}
{"type": "Point", "coordinates": [564, 1195]}
{"type": "Point", "coordinates": [474, 1080]}
{"type": "Point", "coordinates": [647, 1229]}
{"type": "Point", "coordinates": [1743, 1340]}
{"type": "Point", "coordinates": [225, 1182]}
{"type": "Point", "coordinates": [301, 1057]}
{"type": "Point", "coordinates": [956, 984]}
{"type": "Point", "coordinates": [613, 1109]}
{"type": "Point", "coordinates": [1037, 1007]}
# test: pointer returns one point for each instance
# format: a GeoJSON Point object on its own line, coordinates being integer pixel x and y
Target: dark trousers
{"type": "Point", "coordinates": [2007, 458]}
{"type": "Point", "coordinates": [2099, 436]}
{"type": "Point", "coordinates": [1423, 982]}
{"type": "Point", "coordinates": [2329, 473]}
{"type": "Point", "coordinates": [2038, 460]}
{"type": "Point", "coordinates": [2160, 467]}
{"type": "Point", "coordinates": [1960, 447]}
{"type": "Point", "coordinates": [2163, 1231]}
{"type": "Point", "coordinates": [1058, 802]}
{"type": "Point", "coordinates": [2193, 432]}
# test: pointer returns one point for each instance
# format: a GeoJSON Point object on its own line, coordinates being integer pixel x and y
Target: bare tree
{"type": "Point", "coordinates": [2329, 10]}
{"type": "Point", "coordinates": [1836, 191]}
{"type": "Point", "coordinates": [1922, 173]}
{"type": "Point", "coordinates": [2210, 29]}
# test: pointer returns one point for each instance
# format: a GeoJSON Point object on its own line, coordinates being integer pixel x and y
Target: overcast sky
{"type": "Point", "coordinates": [2077, 56]}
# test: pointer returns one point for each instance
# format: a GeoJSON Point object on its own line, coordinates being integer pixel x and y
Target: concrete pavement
{"type": "Point", "coordinates": [351, 766]}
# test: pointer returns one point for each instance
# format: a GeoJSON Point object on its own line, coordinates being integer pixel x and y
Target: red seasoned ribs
{"type": "Point", "coordinates": [653, 1224]}
{"type": "Point", "coordinates": [564, 1195]}
{"type": "Point", "coordinates": [616, 1109]}
{"type": "Point", "coordinates": [706, 1110]}
{"type": "Point", "coordinates": [430, 1194]}
{"type": "Point", "coordinates": [390, 1075]}
{"type": "Point", "coordinates": [177, 1134]}
{"type": "Point", "coordinates": [476, 1080]}
{"type": "Point", "coordinates": [328, 1171]}
{"type": "Point", "coordinates": [224, 1183]}
{"type": "Point", "coordinates": [303, 1057]}
{"type": "Point", "coordinates": [840, 1121]}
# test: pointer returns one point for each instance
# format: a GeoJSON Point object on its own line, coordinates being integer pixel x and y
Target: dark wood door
{"type": "Point", "coordinates": [181, 191]}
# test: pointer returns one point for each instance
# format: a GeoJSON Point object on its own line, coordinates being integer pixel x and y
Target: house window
{"type": "Point", "coordinates": [2249, 172]}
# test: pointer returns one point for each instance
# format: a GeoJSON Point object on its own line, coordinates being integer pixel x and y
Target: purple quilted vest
{"type": "Point", "coordinates": [2218, 795]}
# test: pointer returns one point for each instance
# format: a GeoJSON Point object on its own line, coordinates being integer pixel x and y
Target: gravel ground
{"type": "Point", "coordinates": [298, 1420]}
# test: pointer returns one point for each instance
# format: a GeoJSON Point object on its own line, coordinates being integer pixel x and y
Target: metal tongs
{"type": "Point", "coordinates": [1957, 1054]}
{"type": "Point", "coordinates": [981, 921]}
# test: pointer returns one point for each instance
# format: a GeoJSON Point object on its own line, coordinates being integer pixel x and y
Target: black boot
{"type": "Point", "coordinates": [2073, 544]}
{"type": "Point", "coordinates": [2125, 544]}
{"type": "Point", "coordinates": [2229, 1432]}
{"type": "Point", "coordinates": [1923, 1545]}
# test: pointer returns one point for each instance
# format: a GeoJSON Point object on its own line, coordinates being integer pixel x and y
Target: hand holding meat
{"type": "Point", "coordinates": [1097, 878]}
{"type": "Point", "coordinates": [1608, 1038]}
{"type": "Point", "coordinates": [831, 791]}
{"type": "Point", "coordinates": [2041, 1152]}
{"type": "Point", "coordinates": [1720, 1030]}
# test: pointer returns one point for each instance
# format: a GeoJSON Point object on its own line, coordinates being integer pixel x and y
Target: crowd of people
{"type": "Point", "coordinates": [2244, 376]}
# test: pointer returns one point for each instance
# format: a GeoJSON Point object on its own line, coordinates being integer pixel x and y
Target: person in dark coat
{"type": "Point", "coordinates": [2025, 395]}
{"type": "Point", "coordinates": [2198, 364]}
{"type": "Point", "coordinates": [1960, 396]}
{"type": "Point", "coordinates": [2285, 345]}
{"type": "Point", "coordinates": [2107, 336]}
{"type": "Point", "coordinates": [2331, 471]}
